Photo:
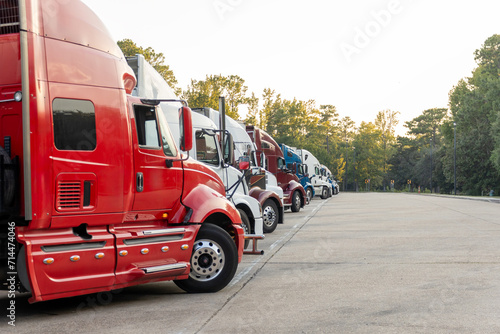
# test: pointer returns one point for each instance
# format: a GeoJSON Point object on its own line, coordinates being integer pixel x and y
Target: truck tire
{"type": "Point", "coordinates": [245, 224]}
{"type": "Point", "coordinates": [324, 193]}
{"type": "Point", "coordinates": [269, 216]}
{"type": "Point", "coordinates": [296, 201]}
{"type": "Point", "coordinates": [213, 263]}
{"type": "Point", "coordinates": [8, 188]}
{"type": "Point", "coordinates": [309, 194]}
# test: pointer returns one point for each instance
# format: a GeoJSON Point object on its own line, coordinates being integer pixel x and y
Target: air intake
{"type": "Point", "coordinates": [69, 195]}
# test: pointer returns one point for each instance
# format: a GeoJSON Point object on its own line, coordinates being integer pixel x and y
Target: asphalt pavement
{"type": "Point", "coordinates": [355, 263]}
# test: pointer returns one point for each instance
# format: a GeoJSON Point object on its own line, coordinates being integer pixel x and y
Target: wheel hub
{"type": "Point", "coordinates": [207, 260]}
{"type": "Point", "coordinates": [269, 216]}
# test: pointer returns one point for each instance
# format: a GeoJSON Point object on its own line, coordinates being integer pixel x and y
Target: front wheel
{"type": "Point", "coordinates": [309, 194]}
{"type": "Point", "coordinates": [245, 224]}
{"type": "Point", "coordinates": [296, 201]}
{"type": "Point", "coordinates": [269, 216]}
{"type": "Point", "coordinates": [213, 263]}
{"type": "Point", "coordinates": [324, 193]}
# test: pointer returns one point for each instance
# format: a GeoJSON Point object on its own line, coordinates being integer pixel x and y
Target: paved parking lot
{"type": "Point", "coordinates": [356, 263]}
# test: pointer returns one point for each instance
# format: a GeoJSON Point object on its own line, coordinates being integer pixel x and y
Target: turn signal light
{"type": "Point", "coordinates": [99, 255]}
{"type": "Point", "coordinates": [123, 253]}
{"type": "Point", "coordinates": [48, 260]}
{"type": "Point", "coordinates": [144, 251]}
{"type": "Point", "coordinates": [75, 258]}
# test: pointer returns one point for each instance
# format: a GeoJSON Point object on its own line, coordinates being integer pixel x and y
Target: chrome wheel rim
{"type": "Point", "coordinates": [297, 200]}
{"type": "Point", "coordinates": [207, 260]}
{"type": "Point", "coordinates": [269, 216]}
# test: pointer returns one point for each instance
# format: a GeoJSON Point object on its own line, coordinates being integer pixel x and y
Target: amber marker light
{"type": "Point", "coordinates": [144, 251]}
{"type": "Point", "coordinates": [185, 247]}
{"type": "Point", "coordinates": [48, 260]}
{"type": "Point", "coordinates": [164, 215]}
{"type": "Point", "coordinates": [164, 249]}
{"type": "Point", "coordinates": [123, 253]}
{"type": "Point", "coordinates": [99, 256]}
{"type": "Point", "coordinates": [75, 258]}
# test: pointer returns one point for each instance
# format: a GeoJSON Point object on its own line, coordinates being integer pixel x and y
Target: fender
{"type": "Point", "coordinates": [309, 185]}
{"type": "Point", "coordinates": [292, 186]}
{"type": "Point", "coordinates": [262, 195]}
{"type": "Point", "coordinates": [206, 202]}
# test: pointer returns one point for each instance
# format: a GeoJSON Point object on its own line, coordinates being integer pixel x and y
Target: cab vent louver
{"type": "Point", "coordinates": [69, 194]}
{"type": "Point", "coordinates": [9, 17]}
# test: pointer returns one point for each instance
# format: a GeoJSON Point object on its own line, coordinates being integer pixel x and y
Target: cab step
{"type": "Point", "coordinates": [254, 238]}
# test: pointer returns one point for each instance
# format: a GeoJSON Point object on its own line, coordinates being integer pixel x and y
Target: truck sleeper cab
{"type": "Point", "coordinates": [98, 195]}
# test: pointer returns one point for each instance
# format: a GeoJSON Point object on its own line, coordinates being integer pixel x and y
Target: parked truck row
{"type": "Point", "coordinates": [108, 180]}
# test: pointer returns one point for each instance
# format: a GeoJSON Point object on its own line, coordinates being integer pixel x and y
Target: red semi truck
{"type": "Point", "coordinates": [94, 194]}
{"type": "Point", "coordinates": [271, 157]}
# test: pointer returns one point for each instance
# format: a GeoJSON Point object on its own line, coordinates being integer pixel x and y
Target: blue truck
{"type": "Point", "coordinates": [294, 163]}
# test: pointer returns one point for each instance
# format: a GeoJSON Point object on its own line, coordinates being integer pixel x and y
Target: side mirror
{"type": "Point", "coordinates": [186, 129]}
{"type": "Point", "coordinates": [229, 149]}
{"type": "Point", "coordinates": [294, 168]}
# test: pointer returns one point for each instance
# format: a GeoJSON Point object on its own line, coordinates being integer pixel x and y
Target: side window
{"type": "Point", "coordinates": [206, 148]}
{"type": "Point", "coordinates": [147, 127]}
{"type": "Point", "coordinates": [74, 124]}
{"type": "Point", "coordinates": [281, 162]}
{"type": "Point", "coordinates": [301, 169]}
{"type": "Point", "coordinates": [316, 171]}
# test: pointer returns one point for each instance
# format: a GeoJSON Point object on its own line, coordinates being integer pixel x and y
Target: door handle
{"type": "Point", "coordinates": [139, 182]}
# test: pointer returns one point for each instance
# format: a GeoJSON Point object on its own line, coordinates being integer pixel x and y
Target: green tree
{"type": "Point", "coordinates": [347, 131]}
{"type": "Point", "coordinates": [206, 93]}
{"type": "Point", "coordinates": [369, 155]}
{"type": "Point", "coordinates": [157, 60]}
{"type": "Point", "coordinates": [475, 105]}
{"type": "Point", "coordinates": [426, 135]}
{"type": "Point", "coordinates": [403, 162]}
{"type": "Point", "coordinates": [253, 110]}
{"type": "Point", "coordinates": [386, 122]}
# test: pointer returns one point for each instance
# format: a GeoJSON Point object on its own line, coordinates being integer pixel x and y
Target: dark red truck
{"type": "Point", "coordinates": [270, 157]}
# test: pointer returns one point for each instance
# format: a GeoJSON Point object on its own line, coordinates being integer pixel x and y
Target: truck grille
{"type": "Point", "coordinates": [9, 17]}
{"type": "Point", "coordinates": [69, 195]}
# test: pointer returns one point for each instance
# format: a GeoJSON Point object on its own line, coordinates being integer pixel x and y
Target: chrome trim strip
{"type": "Point", "coordinates": [67, 247]}
{"type": "Point", "coordinates": [166, 267]}
{"type": "Point", "coordinates": [165, 231]}
{"type": "Point", "coordinates": [150, 240]}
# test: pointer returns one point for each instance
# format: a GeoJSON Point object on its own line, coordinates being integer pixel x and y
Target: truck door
{"type": "Point", "coordinates": [158, 181]}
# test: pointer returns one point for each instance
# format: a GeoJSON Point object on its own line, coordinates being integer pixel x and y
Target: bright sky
{"type": "Point", "coordinates": [362, 56]}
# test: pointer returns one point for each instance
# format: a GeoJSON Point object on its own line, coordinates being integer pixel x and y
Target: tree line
{"type": "Point", "coordinates": [461, 142]}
